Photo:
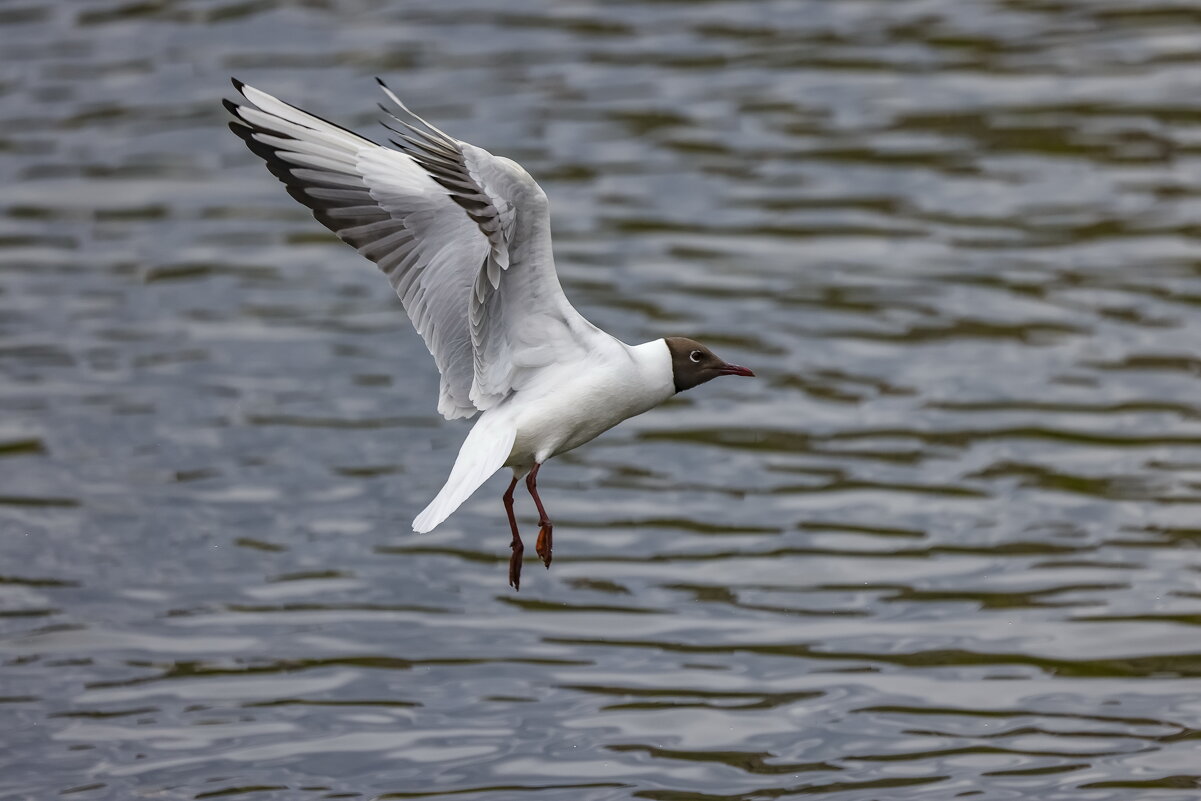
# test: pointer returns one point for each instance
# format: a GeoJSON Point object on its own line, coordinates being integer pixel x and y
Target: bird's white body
{"type": "Point", "coordinates": [562, 409]}
{"type": "Point", "coordinates": [573, 406]}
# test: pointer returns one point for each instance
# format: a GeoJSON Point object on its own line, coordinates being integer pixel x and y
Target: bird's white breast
{"type": "Point", "coordinates": [573, 403]}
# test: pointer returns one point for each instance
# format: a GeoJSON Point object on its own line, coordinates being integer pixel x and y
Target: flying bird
{"type": "Point", "coordinates": [464, 238]}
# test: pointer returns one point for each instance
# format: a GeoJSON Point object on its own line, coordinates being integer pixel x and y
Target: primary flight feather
{"type": "Point", "coordinates": [464, 238]}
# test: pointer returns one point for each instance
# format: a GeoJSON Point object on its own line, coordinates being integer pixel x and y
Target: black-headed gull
{"type": "Point", "coordinates": [464, 237]}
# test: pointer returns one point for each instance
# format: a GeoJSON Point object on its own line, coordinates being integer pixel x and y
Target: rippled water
{"type": "Point", "coordinates": [945, 547]}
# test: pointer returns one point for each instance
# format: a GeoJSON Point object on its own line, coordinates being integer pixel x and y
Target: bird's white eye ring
{"type": "Point", "coordinates": [695, 356]}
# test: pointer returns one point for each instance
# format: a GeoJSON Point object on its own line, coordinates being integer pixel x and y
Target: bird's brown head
{"type": "Point", "coordinates": [693, 364]}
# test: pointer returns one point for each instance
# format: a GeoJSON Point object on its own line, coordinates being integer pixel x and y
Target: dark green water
{"type": "Point", "coordinates": [946, 546]}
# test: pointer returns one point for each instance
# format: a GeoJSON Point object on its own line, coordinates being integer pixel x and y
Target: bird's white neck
{"type": "Point", "coordinates": [654, 365]}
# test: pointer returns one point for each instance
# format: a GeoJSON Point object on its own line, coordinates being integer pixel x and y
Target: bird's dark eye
{"type": "Point", "coordinates": [695, 356]}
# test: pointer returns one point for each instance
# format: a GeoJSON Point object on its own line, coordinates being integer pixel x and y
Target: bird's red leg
{"type": "Point", "coordinates": [543, 546]}
{"type": "Point", "coordinates": [518, 548]}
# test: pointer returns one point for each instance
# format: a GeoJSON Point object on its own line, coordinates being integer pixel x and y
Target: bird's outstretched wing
{"type": "Point", "coordinates": [464, 237]}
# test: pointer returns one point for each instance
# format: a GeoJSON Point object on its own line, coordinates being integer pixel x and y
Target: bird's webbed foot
{"type": "Point", "coordinates": [543, 546]}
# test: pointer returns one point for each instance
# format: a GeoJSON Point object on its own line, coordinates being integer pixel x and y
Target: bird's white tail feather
{"type": "Point", "coordinates": [483, 453]}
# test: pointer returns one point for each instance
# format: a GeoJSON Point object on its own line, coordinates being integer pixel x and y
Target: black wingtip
{"type": "Point", "coordinates": [380, 81]}
{"type": "Point", "coordinates": [243, 132]}
{"type": "Point", "coordinates": [237, 84]}
{"type": "Point", "coordinates": [231, 107]}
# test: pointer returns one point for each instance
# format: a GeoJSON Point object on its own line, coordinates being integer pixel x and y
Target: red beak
{"type": "Point", "coordinates": [733, 369]}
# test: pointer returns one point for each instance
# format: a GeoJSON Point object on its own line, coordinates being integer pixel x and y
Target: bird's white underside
{"type": "Point", "coordinates": [566, 406]}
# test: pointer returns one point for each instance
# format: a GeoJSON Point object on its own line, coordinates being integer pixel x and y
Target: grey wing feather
{"type": "Point", "coordinates": [389, 209]}
{"type": "Point", "coordinates": [463, 236]}
{"type": "Point", "coordinates": [519, 318]}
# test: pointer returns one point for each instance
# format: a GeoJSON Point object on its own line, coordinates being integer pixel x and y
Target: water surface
{"type": "Point", "coordinates": [944, 547]}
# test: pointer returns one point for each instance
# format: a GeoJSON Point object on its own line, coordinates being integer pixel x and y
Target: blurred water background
{"type": "Point", "coordinates": [946, 546]}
